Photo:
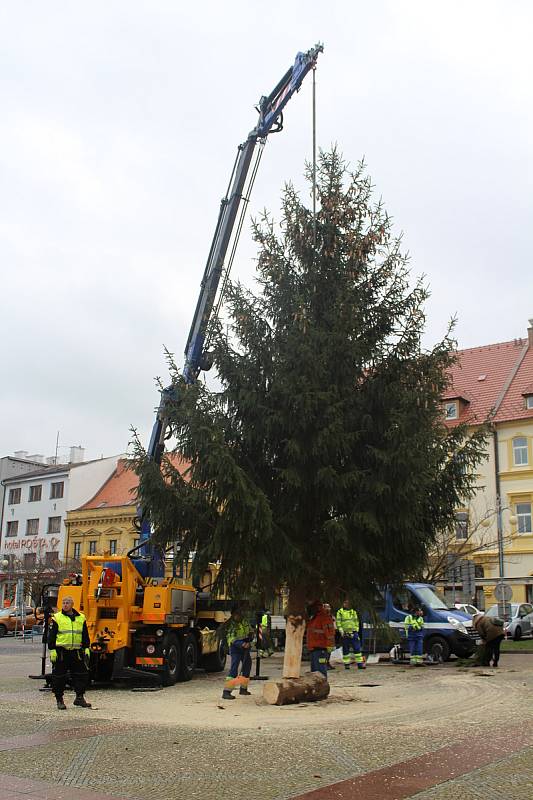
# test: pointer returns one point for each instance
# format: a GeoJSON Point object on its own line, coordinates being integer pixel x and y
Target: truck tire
{"type": "Point", "coordinates": [3, 630]}
{"type": "Point", "coordinates": [172, 665]}
{"type": "Point", "coordinates": [438, 647]}
{"type": "Point", "coordinates": [216, 662]}
{"type": "Point", "coordinates": [189, 657]}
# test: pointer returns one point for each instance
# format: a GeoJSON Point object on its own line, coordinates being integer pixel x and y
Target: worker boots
{"type": "Point", "coordinates": [81, 701]}
{"type": "Point", "coordinates": [227, 695]}
{"type": "Point", "coordinates": [61, 704]}
{"type": "Point", "coordinates": [244, 690]}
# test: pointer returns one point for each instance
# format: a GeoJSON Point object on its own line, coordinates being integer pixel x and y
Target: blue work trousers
{"type": "Point", "coordinates": [239, 655]}
{"type": "Point", "coordinates": [415, 640]}
{"type": "Point", "coordinates": [319, 661]}
{"type": "Point", "coordinates": [351, 643]}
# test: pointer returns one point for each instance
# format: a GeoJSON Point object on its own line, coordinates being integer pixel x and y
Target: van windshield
{"type": "Point", "coordinates": [431, 598]}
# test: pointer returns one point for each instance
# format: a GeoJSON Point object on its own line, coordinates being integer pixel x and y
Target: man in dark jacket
{"type": "Point", "coordinates": [492, 636]}
{"type": "Point", "coordinates": [69, 648]}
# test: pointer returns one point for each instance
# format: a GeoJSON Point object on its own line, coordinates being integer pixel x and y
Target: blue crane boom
{"type": "Point", "coordinates": [270, 120]}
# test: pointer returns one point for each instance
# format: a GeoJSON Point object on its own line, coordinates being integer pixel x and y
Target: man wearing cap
{"type": "Point", "coordinates": [69, 648]}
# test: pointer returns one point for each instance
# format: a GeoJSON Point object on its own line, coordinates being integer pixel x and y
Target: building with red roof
{"type": "Point", "coordinates": [105, 523]}
{"type": "Point", "coordinates": [495, 383]}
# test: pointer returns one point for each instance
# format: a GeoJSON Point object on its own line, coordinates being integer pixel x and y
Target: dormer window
{"type": "Point", "coordinates": [529, 401]}
{"type": "Point", "coordinates": [451, 410]}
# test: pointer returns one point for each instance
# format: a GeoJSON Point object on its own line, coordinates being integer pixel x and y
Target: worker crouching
{"type": "Point", "coordinates": [348, 627]}
{"type": "Point", "coordinates": [320, 637]}
{"type": "Point", "coordinates": [69, 648]}
{"type": "Point", "coordinates": [239, 636]}
{"type": "Point", "coordinates": [414, 628]}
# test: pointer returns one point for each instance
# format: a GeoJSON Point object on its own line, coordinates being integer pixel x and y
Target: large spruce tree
{"type": "Point", "coordinates": [323, 462]}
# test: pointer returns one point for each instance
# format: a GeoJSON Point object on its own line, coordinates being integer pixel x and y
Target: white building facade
{"type": "Point", "coordinates": [34, 510]}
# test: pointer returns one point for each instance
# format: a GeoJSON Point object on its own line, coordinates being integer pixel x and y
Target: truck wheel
{"type": "Point", "coordinates": [171, 668]}
{"type": "Point", "coordinates": [3, 630]}
{"type": "Point", "coordinates": [438, 648]}
{"type": "Point", "coordinates": [216, 662]}
{"type": "Point", "coordinates": [189, 658]}
{"type": "Point", "coordinates": [517, 633]}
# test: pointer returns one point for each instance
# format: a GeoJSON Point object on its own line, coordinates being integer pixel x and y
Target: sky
{"type": "Point", "coordinates": [119, 126]}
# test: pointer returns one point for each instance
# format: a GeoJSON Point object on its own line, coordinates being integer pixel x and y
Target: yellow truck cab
{"type": "Point", "coordinates": [160, 625]}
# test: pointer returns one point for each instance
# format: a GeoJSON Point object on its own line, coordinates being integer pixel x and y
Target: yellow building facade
{"type": "Point", "coordinates": [496, 382]}
{"type": "Point", "coordinates": [101, 531]}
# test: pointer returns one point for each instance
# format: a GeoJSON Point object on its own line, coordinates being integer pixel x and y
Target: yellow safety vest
{"type": "Point", "coordinates": [69, 631]}
{"type": "Point", "coordinates": [237, 631]}
{"type": "Point", "coordinates": [416, 623]}
{"type": "Point", "coordinates": [347, 620]}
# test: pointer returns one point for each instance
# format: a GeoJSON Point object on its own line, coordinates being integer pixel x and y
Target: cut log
{"type": "Point", "coordinates": [294, 637]}
{"type": "Point", "coordinates": [309, 688]}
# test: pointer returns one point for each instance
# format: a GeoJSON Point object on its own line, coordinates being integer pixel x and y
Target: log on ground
{"type": "Point", "coordinates": [296, 690]}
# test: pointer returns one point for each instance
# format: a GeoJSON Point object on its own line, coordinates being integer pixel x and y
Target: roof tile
{"type": "Point", "coordinates": [120, 489]}
{"type": "Point", "coordinates": [481, 375]}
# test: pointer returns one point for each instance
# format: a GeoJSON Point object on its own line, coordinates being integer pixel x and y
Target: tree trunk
{"type": "Point", "coordinates": [309, 688]}
{"type": "Point", "coordinates": [294, 637]}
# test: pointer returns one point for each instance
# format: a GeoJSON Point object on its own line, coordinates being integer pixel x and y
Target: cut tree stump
{"type": "Point", "coordinates": [294, 636]}
{"type": "Point", "coordinates": [295, 690]}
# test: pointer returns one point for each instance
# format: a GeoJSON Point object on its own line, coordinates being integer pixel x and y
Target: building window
{"type": "Point", "coordinates": [51, 558]}
{"type": "Point", "coordinates": [32, 527]}
{"type": "Point", "coordinates": [520, 451]}
{"type": "Point", "coordinates": [12, 528]}
{"type": "Point", "coordinates": [523, 513]}
{"type": "Point", "coordinates": [113, 547]}
{"type": "Point", "coordinates": [35, 493]}
{"type": "Point", "coordinates": [14, 496]}
{"type": "Point", "coordinates": [92, 548]}
{"type": "Point", "coordinates": [77, 550]}
{"type": "Point", "coordinates": [54, 525]}
{"type": "Point", "coordinates": [461, 526]}
{"type": "Point", "coordinates": [451, 410]}
{"type": "Point", "coordinates": [56, 491]}
{"type": "Point", "coordinates": [529, 401]}
{"type": "Point", "coordinates": [30, 560]}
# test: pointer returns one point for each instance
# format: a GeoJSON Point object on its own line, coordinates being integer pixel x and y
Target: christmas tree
{"type": "Point", "coordinates": [322, 462]}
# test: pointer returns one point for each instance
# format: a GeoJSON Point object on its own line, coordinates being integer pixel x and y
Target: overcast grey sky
{"type": "Point", "coordinates": [119, 126]}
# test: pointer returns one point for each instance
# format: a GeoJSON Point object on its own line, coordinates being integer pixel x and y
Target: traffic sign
{"type": "Point", "coordinates": [503, 592]}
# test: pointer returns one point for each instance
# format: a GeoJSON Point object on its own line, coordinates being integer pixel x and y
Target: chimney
{"type": "Point", "coordinates": [76, 455]}
{"type": "Point", "coordinates": [530, 333]}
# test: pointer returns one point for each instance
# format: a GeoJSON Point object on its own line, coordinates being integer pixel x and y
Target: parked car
{"type": "Point", "coordinates": [520, 619]}
{"type": "Point", "coordinates": [467, 608]}
{"type": "Point", "coordinates": [10, 619]}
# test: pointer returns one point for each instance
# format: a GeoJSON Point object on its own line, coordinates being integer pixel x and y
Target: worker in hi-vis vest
{"type": "Point", "coordinates": [414, 628]}
{"type": "Point", "coordinates": [348, 627]}
{"type": "Point", "coordinates": [265, 640]}
{"type": "Point", "coordinates": [239, 636]}
{"type": "Point", "coordinates": [69, 648]}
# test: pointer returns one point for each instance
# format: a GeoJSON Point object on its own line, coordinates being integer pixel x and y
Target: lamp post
{"type": "Point", "coordinates": [503, 593]}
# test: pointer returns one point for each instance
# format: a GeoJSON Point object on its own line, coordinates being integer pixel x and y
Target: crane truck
{"type": "Point", "coordinates": [138, 619]}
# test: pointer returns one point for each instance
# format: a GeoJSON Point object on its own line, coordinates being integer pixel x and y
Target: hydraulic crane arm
{"type": "Point", "coordinates": [270, 120]}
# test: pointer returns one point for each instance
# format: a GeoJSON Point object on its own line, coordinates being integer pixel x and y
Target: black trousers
{"type": "Point", "coordinates": [69, 661]}
{"type": "Point", "coordinates": [492, 651]}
